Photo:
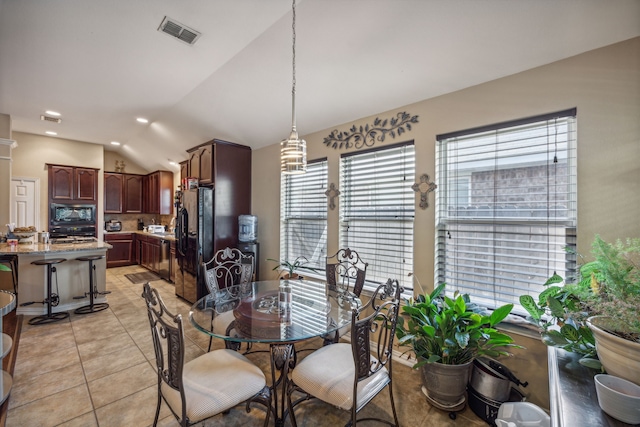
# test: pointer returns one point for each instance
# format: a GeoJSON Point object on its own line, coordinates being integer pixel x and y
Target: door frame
{"type": "Point", "coordinates": [36, 198]}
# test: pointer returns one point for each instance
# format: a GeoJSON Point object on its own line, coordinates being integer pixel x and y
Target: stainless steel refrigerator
{"type": "Point", "coordinates": [195, 241]}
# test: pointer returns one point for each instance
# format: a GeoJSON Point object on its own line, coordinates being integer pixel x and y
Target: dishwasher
{"type": "Point", "coordinates": [163, 264]}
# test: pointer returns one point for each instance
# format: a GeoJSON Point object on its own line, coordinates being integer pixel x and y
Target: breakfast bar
{"type": "Point", "coordinates": [72, 274]}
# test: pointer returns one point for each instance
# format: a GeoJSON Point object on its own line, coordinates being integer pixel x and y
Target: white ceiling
{"type": "Point", "coordinates": [103, 63]}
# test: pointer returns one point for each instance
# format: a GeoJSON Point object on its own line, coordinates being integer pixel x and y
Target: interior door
{"type": "Point", "coordinates": [25, 202]}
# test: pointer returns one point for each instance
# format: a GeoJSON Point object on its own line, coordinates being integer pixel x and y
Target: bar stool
{"type": "Point", "coordinates": [93, 288]}
{"type": "Point", "coordinates": [52, 299]}
{"type": "Point", "coordinates": [12, 262]}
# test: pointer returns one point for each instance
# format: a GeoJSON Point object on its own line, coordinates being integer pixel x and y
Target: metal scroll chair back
{"type": "Point", "coordinates": [227, 268]}
{"type": "Point", "coordinates": [350, 375]}
{"type": "Point", "coordinates": [231, 378]}
{"type": "Point", "coordinates": [346, 271]}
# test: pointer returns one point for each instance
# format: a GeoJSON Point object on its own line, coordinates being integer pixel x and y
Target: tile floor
{"type": "Point", "coordinates": [96, 370]}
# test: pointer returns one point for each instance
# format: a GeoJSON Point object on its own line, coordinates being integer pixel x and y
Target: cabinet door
{"type": "Point", "coordinates": [165, 193]}
{"type": "Point", "coordinates": [206, 164]}
{"type": "Point", "coordinates": [112, 192]}
{"type": "Point", "coordinates": [61, 182]}
{"type": "Point", "coordinates": [184, 170]}
{"type": "Point", "coordinates": [153, 201]}
{"type": "Point", "coordinates": [132, 194]}
{"type": "Point", "coordinates": [173, 262]}
{"type": "Point", "coordinates": [86, 182]}
{"type": "Point", "coordinates": [121, 252]}
{"type": "Point", "coordinates": [194, 164]}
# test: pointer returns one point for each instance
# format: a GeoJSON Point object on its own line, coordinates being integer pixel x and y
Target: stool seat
{"type": "Point", "coordinates": [93, 288]}
{"type": "Point", "coordinates": [52, 299]}
{"type": "Point", "coordinates": [48, 261]}
{"type": "Point", "coordinates": [12, 261]}
{"type": "Point", "coordinates": [90, 258]}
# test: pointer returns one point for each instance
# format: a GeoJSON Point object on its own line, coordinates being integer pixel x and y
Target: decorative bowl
{"type": "Point", "coordinates": [619, 398]}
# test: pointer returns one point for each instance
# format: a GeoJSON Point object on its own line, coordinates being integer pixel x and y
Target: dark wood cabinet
{"type": "Point", "coordinates": [69, 184]}
{"type": "Point", "coordinates": [184, 171]}
{"type": "Point", "coordinates": [122, 252]}
{"type": "Point", "coordinates": [132, 189]}
{"type": "Point", "coordinates": [173, 262]}
{"type": "Point", "coordinates": [113, 192]}
{"type": "Point", "coordinates": [159, 196]}
{"type": "Point", "coordinates": [149, 252]}
{"type": "Point", "coordinates": [202, 163]}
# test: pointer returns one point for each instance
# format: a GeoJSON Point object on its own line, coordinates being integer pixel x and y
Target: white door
{"type": "Point", "coordinates": [25, 202]}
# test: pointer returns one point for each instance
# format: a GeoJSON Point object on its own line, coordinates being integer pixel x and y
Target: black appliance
{"type": "Point", "coordinates": [72, 220]}
{"type": "Point", "coordinates": [253, 249]}
{"type": "Point", "coordinates": [195, 241]}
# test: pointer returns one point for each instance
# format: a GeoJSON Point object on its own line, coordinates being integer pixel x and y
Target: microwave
{"type": "Point", "coordinates": [61, 214]}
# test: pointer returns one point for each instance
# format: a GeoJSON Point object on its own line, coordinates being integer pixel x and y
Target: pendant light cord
{"type": "Point", "coordinates": [293, 84]}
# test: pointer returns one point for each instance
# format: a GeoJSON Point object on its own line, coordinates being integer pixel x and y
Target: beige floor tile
{"type": "Point", "coordinates": [103, 346]}
{"type": "Point", "coordinates": [88, 332]}
{"type": "Point", "coordinates": [46, 345]}
{"type": "Point", "coordinates": [113, 362]}
{"type": "Point", "coordinates": [52, 410]}
{"type": "Point", "coordinates": [28, 367]}
{"type": "Point", "coordinates": [111, 388]}
{"type": "Point", "coordinates": [135, 410]}
{"type": "Point", "coordinates": [85, 420]}
{"type": "Point", "coordinates": [46, 384]}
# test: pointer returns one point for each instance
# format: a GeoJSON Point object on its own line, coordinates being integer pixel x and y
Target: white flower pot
{"type": "Point", "coordinates": [620, 357]}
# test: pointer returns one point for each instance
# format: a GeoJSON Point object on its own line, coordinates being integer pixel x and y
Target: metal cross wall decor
{"type": "Point", "coordinates": [332, 193]}
{"type": "Point", "coordinates": [424, 187]}
{"type": "Point", "coordinates": [367, 135]}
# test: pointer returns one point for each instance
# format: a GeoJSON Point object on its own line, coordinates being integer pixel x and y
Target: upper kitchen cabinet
{"type": "Point", "coordinates": [159, 193]}
{"type": "Point", "coordinates": [113, 192]}
{"type": "Point", "coordinates": [184, 170]}
{"type": "Point", "coordinates": [133, 195]}
{"type": "Point", "coordinates": [202, 161]}
{"type": "Point", "coordinates": [68, 184]}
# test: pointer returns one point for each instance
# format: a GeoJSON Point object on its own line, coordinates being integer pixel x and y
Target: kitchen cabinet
{"type": "Point", "coordinates": [113, 192]}
{"type": "Point", "coordinates": [173, 262]}
{"type": "Point", "coordinates": [122, 253]}
{"type": "Point", "coordinates": [158, 188]}
{"type": "Point", "coordinates": [69, 184]}
{"type": "Point", "coordinates": [184, 171]}
{"type": "Point", "coordinates": [201, 163]}
{"type": "Point", "coordinates": [132, 193]}
{"type": "Point", "coordinates": [149, 252]}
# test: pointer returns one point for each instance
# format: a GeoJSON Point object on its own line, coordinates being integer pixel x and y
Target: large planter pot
{"type": "Point", "coordinates": [620, 357]}
{"type": "Point", "coordinates": [446, 384]}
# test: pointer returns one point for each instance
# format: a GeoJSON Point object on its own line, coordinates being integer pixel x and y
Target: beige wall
{"type": "Point", "coordinates": [603, 84]}
{"type": "Point", "coordinates": [5, 169]}
{"type": "Point", "coordinates": [110, 158]}
{"type": "Point", "coordinates": [35, 151]}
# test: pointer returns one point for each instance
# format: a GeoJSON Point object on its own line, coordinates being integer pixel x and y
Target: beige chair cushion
{"type": "Point", "coordinates": [215, 382]}
{"type": "Point", "coordinates": [328, 374]}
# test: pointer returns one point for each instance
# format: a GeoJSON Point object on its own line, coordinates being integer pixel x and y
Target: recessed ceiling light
{"type": "Point", "coordinates": [52, 113]}
{"type": "Point", "coordinates": [50, 133]}
{"type": "Point", "coordinates": [115, 143]}
{"type": "Point", "coordinates": [172, 163]}
{"type": "Point", "coordinates": [142, 120]}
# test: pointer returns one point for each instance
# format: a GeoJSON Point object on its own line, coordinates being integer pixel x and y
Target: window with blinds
{"type": "Point", "coordinates": [377, 208]}
{"type": "Point", "coordinates": [303, 215]}
{"type": "Point", "coordinates": [506, 209]}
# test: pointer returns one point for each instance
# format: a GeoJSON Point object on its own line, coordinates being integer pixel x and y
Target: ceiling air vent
{"type": "Point", "coordinates": [50, 119]}
{"type": "Point", "coordinates": [179, 31]}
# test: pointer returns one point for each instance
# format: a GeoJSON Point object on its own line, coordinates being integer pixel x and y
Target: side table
{"type": "Point", "coordinates": [7, 303]}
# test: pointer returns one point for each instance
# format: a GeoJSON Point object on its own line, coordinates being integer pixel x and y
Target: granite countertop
{"type": "Point", "coordinates": [41, 248]}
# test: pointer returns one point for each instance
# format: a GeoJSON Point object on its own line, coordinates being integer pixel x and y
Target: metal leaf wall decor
{"type": "Point", "coordinates": [366, 136]}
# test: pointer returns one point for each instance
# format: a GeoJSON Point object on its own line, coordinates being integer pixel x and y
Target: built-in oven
{"type": "Point", "coordinates": [72, 220]}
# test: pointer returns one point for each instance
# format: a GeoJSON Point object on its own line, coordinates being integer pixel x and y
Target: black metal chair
{"type": "Point", "coordinates": [53, 299]}
{"type": "Point", "coordinates": [345, 273]}
{"type": "Point", "coordinates": [93, 288]}
{"type": "Point", "coordinates": [228, 269]}
{"type": "Point", "coordinates": [207, 385]}
{"type": "Point", "coordinates": [350, 375]}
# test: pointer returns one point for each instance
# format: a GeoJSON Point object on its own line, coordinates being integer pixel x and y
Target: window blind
{"type": "Point", "coordinates": [377, 210]}
{"type": "Point", "coordinates": [303, 215]}
{"type": "Point", "coordinates": [506, 208]}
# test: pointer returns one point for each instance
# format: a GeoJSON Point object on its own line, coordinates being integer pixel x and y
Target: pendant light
{"type": "Point", "coordinates": [293, 150]}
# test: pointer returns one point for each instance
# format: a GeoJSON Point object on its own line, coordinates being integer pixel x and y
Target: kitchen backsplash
{"type": "Point", "coordinates": [130, 221]}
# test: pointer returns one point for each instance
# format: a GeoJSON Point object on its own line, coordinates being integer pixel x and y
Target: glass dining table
{"type": "Point", "coordinates": [276, 312]}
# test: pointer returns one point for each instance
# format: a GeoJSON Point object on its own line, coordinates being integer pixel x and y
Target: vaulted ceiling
{"type": "Point", "coordinates": [102, 63]}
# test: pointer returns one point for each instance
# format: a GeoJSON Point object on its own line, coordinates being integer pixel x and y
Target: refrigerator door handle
{"type": "Point", "coordinates": [183, 221]}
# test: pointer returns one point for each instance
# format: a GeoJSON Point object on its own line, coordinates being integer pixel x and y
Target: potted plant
{"type": "Point", "coordinates": [288, 270]}
{"type": "Point", "coordinates": [446, 335]}
{"type": "Point", "coordinates": [598, 315]}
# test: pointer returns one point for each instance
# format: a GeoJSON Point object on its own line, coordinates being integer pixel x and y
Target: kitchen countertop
{"type": "Point", "coordinates": [41, 248]}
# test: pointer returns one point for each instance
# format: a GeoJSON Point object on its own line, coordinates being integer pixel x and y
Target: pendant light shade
{"type": "Point", "coordinates": [293, 150]}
